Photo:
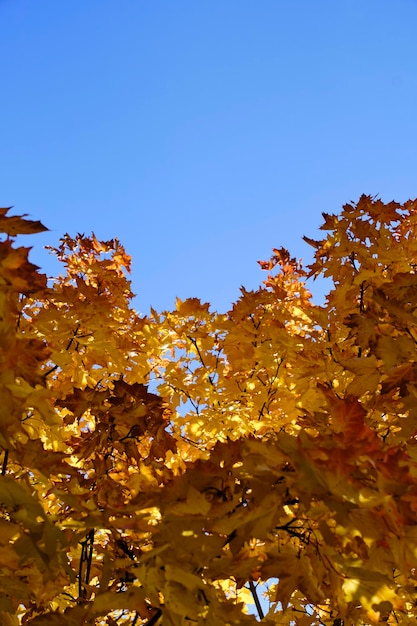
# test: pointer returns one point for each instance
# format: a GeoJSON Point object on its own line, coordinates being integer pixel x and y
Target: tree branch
{"type": "Point", "coordinates": [255, 596]}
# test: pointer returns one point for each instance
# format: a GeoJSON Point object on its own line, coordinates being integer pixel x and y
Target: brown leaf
{"type": "Point", "coordinates": [18, 225]}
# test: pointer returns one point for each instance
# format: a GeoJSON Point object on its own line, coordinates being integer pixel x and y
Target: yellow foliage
{"type": "Point", "coordinates": [155, 469]}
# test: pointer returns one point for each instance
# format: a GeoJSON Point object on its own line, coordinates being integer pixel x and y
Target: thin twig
{"type": "Point", "coordinates": [5, 459]}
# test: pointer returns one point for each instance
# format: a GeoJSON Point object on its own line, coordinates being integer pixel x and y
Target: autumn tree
{"type": "Point", "coordinates": [171, 469]}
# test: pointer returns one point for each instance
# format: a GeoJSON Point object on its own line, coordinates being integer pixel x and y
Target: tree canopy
{"type": "Point", "coordinates": [172, 468]}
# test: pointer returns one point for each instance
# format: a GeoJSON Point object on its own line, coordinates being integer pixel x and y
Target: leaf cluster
{"type": "Point", "coordinates": [165, 469]}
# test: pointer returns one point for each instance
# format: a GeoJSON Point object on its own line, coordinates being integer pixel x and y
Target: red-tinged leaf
{"type": "Point", "coordinates": [347, 415]}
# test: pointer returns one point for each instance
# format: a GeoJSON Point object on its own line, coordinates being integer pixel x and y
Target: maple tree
{"type": "Point", "coordinates": [172, 468]}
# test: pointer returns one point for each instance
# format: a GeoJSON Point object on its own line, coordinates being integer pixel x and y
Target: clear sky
{"type": "Point", "coordinates": [203, 133]}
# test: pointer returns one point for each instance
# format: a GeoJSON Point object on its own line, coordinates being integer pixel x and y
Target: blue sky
{"type": "Point", "coordinates": [202, 134]}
